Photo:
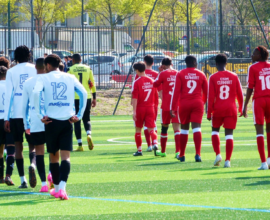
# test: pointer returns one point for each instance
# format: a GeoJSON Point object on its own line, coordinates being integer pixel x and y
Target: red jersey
{"type": "Point", "coordinates": [259, 79]}
{"type": "Point", "coordinates": [153, 75]}
{"type": "Point", "coordinates": [144, 92]}
{"type": "Point", "coordinates": [190, 85]}
{"type": "Point", "coordinates": [167, 79]}
{"type": "Point", "coordinates": [224, 88]}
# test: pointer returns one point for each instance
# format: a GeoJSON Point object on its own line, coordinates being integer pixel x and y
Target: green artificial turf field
{"type": "Point", "coordinates": [109, 183]}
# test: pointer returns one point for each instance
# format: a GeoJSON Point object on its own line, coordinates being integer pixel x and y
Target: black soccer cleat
{"type": "Point", "coordinates": [137, 154]}
{"type": "Point", "coordinates": [23, 186]}
{"type": "Point", "coordinates": [182, 159]}
{"type": "Point", "coordinates": [155, 149]}
{"type": "Point", "coordinates": [198, 158]}
{"type": "Point", "coordinates": [32, 177]}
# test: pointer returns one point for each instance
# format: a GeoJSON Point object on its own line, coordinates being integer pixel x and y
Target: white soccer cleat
{"type": "Point", "coordinates": [268, 162]}
{"type": "Point", "coordinates": [218, 160]}
{"type": "Point", "coordinates": [264, 166]}
{"type": "Point", "coordinates": [149, 149]}
{"type": "Point", "coordinates": [227, 164]}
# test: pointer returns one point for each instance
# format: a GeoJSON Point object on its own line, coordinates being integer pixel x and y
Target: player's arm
{"type": "Point", "coordinates": [80, 90]}
{"type": "Point", "coordinates": [37, 92]}
{"type": "Point", "coordinates": [211, 99]}
{"type": "Point", "coordinates": [158, 81]}
{"type": "Point", "coordinates": [250, 85]}
{"type": "Point", "coordinates": [240, 97]}
{"type": "Point", "coordinates": [8, 100]}
{"type": "Point", "coordinates": [93, 88]}
{"type": "Point", "coordinates": [205, 89]}
{"type": "Point", "coordinates": [134, 101]}
{"type": "Point", "coordinates": [175, 95]}
{"type": "Point", "coordinates": [25, 109]}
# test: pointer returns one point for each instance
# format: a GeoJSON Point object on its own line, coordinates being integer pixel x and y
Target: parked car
{"type": "Point", "coordinates": [171, 53]}
{"type": "Point", "coordinates": [151, 52]}
{"type": "Point", "coordinates": [62, 53]}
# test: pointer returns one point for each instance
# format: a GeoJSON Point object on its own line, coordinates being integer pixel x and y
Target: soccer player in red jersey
{"type": "Point", "coordinates": [149, 61]}
{"type": "Point", "coordinates": [166, 78]}
{"type": "Point", "coordinates": [224, 88]}
{"type": "Point", "coordinates": [259, 81]}
{"type": "Point", "coordinates": [191, 89]}
{"type": "Point", "coordinates": [143, 102]}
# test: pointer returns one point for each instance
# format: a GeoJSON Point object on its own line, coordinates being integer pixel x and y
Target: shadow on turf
{"type": "Point", "coordinates": [158, 164]}
{"type": "Point", "coordinates": [119, 153]}
{"type": "Point", "coordinates": [259, 183]}
{"type": "Point", "coordinates": [228, 172]}
{"type": "Point", "coordinates": [248, 178]}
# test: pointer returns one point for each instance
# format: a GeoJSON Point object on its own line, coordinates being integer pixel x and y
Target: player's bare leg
{"type": "Point", "coordinates": [268, 142]}
{"type": "Point", "coordinates": [216, 145]}
{"type": "Point", "coordinates": [20, 163]}
{"type": "Point", "coordinates": [183, 141]}
{"type": "Point", "coordinates": [2, 163]}
{"type": "Point", "coordinates": [138, 140]}
{"type": "Point", "coordinates": [10, 164]}
{"type": "Point", "coordinates": [32, 167]}
{"type": "Point", "coordinates": [197, 138]}
{"type": "Point", "coordinates": [176, 129]}
{"type": "Point", "coordinates": [147, 139]}
{"type": "Point", "coordinates": [163, 140]}
{"type": "Point", "coordinates": [154, 137]}
{"type": "Point", "coordinates": [41, 167]}
{"type": "Point", "coordinates": [260, 144]}
{"type": "Point", "coordinates": [229, 147]}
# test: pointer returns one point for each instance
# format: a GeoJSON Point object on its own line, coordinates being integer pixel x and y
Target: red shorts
{"type": "Point", "coordinates": [228, 122]}
{"type": "Point", "coordinates": [191, 112]}
{"type": "Point", "coordinates": [166, 119]}
{"type": "Point", "coordinates": [261, 110]}
{"type": "Point", "coordinates": [146, 116]}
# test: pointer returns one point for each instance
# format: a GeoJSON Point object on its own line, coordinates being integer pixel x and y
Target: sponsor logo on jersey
{"type": "Point", "coordinates": [23, 78]}
{"type": "Point", "coordinates": [224, 81]}
{"type": "Point", "coordinates": [59, 104]}
{"type": "Point", "coordinates": [265, 71]}
{"type": "Point", "coordinates": [147, 85]}
{"type": "Point", "coordinates": [2, 111]}
{"type": "Point", "coordinates": [192, 76]}
{"type": "Point", "coordinates": [18, 94]}
{"type": "Point", "coordinates": [171, 78]}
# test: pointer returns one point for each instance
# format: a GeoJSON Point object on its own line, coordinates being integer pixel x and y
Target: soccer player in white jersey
{"type": "Point", "coordinates": [5, 138]}
{"type": "Point", "coordinates": [32, 124]}
{"type": "Point", "coordinates": [13, 116]}
{"type": "Point", "coordinates": [58, 88]}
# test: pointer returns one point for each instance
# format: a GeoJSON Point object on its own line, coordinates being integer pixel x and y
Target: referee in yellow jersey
{"type": "Point", "coordinates": [85, 75]}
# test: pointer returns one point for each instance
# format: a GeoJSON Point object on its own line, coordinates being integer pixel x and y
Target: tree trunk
{"type": "Point", "coordinates": [112, 36]}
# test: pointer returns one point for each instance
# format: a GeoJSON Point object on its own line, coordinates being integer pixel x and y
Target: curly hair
{"type": "Point", "coordinates": [4, 62]}
{"type": "Point", "coordinates": [263, 51]}
{"type": "Point", "coordinates": [22, 54]}
{"type": "Point", "coordinates": [3, 72]}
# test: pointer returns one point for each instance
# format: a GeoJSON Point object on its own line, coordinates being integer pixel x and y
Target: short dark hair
{"type": "Point", "coordinates": [140, 66]}
{"type": "Point", "coordinates": [166, 61]}
{"type": "Point", "coordinates": [45, 54]}
{"type": "Point", "coordinates": [77, 57]}
{"type": "Point", "coordinates": [190, 60]}
{"type": "Point", "coordinates": [4, 62]}
{"type": "Point", "coordinates": [221, 59]}
{"type": "Point", "coordinates": [22, 54]}
{"type": "Point", "coordinates": [263, 51]}
{"type": "Point", "coordinates": [61, 67]}
{"type": "Point", "coordinates": [3, 72]}
{"type": "Point", "coordinates": [65, 57]}
{"type": "Point", "coordinates": [70, 57]}
{"type": "Point", "coordinates": [53, 60]}
{"type": "Point", "coordinates": [40, 63]}
{"type": "Point", "coordinates": [149, 60]}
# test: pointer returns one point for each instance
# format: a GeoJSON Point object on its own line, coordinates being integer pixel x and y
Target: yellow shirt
{"type": "Point", "coordinates": [83, 73]}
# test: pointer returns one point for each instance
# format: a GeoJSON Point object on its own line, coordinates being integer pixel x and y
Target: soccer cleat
{"type": "Point", "coordinates": [90, 142]}
{"type": "Point", "coordinates": [268, 162]}
{"type": "Point", "coordinates": [149, 149]}
{"type": "Point", "coordinates": [9, 181]}
{"type": "Point", "coordinates": [163, 154]}
{"type": "Point", "coordinates": [227, 164]}
{"type": "Point", "coordinates": [264, 166]}
{"type": "Point", "coordinates": [50, 181]}
{"type": "Point", "coordinates": [23, 186]}
{"type": "Point", "coordinates": [62, 195]}
{"type": "Point", "coordinates": [5, 154]}
{"type": "Point", "coordinates": [2, 180]}
{"type": "Point", "coordinates": [198, 158]}
{"type": "Point", "coordinates": [80, 148]}
{"type": "Point", "coordinates": [54, 194]}
{"type": "Point", "coordinates": [182, 159]}
{"type": "Point", "coordinates": [137, 154]}
{"type": "Point", "coordinates": [32, 177]}
{"type": "Point", "coordinates": [155, 148]}
{"type": "Point", "coordinates": [44, 189]}
{"type": "Point", "coordinates": [177, 155]}
{"type": "Point", "coordinates": [218, 160]}
{"type": "Point", "coordinates": [158, 153]}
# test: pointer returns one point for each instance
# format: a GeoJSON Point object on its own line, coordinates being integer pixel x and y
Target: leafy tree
{"type": "Point", "coordinates": [14, 12]}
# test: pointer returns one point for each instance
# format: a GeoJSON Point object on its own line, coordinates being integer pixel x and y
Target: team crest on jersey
{"type": "Point", "coordinates": [23, 78]}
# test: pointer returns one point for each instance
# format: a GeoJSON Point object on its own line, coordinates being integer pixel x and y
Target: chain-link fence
{"type": "Point", "coordinates": [109, 51]}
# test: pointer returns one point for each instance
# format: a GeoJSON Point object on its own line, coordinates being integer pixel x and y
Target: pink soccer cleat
{"type": "Point", "coordinates": [50, 181]}
{"type": "Point", "coordinates": [53, 193]}
{"type": "Point", "coordinates": [62, 195]}
{"type": "Point", "coordinates": [44, 189]}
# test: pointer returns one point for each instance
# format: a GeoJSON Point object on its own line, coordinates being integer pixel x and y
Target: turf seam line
{"type": "Point", "coordinates": [146, 202]}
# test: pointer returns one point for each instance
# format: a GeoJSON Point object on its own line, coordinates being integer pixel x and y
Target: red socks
{"type": "Point", "coordinates": [147, 137]}
{"type": "Point", "coordinates": [153, 135]}
{"type": "Point", "coordinates": [229, 146]}
{"type": "Point", "coordinates": [163, 142]}
{"type": "Point", "coordinates": [260, 144]}
{"type": "Point", "coordinates": [138, 140]}
{"type": "Point", "coordinates": [197, 138]}
{"type": "Point", "coordinates": [268, 144]}
{"type": "Point", "coordinates": [183, 141]}
{"type": "Point", "coordinates": [177, 141]}
{"type": "Point", "coordinates": [216, 142]}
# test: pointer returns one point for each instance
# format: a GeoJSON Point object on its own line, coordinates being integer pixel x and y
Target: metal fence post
{"type": "Point", "coordinates": [144, 42]}
{"type": "Point", "coordinates": [98, 54]}
{"type": "Point", "coordinates": [52, 38]}
{"type": "Point", "coordinates": [6, 41]}
{"type": "Point", "coordinates": [232, 40]}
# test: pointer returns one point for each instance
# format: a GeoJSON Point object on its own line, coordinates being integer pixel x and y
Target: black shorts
{"type": "Point", "coordinates": [59, 136]}
{"type": "Point", "coordinates": [5, 138]}
{"type": "Point", "coordinates": [38, 138]}
{"type": "Point", "coordinates": [17, 130]}
{"type": "Point", "coordinates": [86, 114]}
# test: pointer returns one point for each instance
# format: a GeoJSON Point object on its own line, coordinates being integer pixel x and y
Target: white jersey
{"type": "Point", "coordinates": [2, 98]}
{"type": "Point", "coordinates": [16, 76]}
{"type": "Point", "coordinates": [30, 118]}
{"type": "Point", "coordinates": [59, 95]}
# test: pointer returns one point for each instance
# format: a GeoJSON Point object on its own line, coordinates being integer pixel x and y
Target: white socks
{"type": "Point", "coordinates": [88, 132]}
{"type": "Point", "coordinates": [56, 188]}
{"type": "Point", "coordinates": [43, 184]}
{"type": "Point", "coordinates": [23, 179]}
{"type": "Point", "coordinates": [62, 185]}
{"type": "Point", "coordinates": [79, 141]}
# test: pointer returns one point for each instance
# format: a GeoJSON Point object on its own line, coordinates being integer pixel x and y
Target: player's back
{"type": "Point", "coordinates": [259, 79]}
{"type": "Point", "coordinates": [143, 90]}
{"type": "Point", "coordinates": [193, 83]}
{"type": "Point", "coordinates": [227, 88]}
{"type": "Point", "coordinates": [2, 98]}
